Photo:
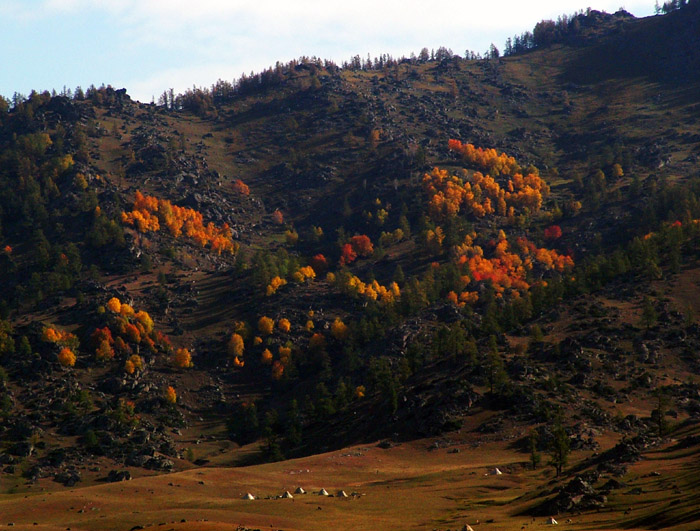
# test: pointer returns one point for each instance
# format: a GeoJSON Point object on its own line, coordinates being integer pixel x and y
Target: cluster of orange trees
{"type": "Point", "coordinates": [486, 159]}
{"type": "Point", "coordinates": [126, 332]}
{"type": "Point", "coordinates": [480, 195]}
{"type": "Point", "coordinates": [506, 269]}
{"type": "Point", "coordinates": [150, 214]}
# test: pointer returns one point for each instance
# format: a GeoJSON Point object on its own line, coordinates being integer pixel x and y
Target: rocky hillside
{"type": "Point", "coordinates": [319, 256]}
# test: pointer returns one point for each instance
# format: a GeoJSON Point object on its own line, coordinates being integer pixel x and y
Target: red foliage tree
{"type": "Point", "coordinates": [552, 232]}
{"type": "Point", "coordinates": [319, 264]}
{"type": "Point", "coordinates": [347, 255]}
{"type": "Point", "coordinates": [362, 245]}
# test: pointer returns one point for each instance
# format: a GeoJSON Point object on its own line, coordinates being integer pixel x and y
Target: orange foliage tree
{"type": "Point", "coordinates": [182, 358]}
{"type": "Point", "coordinates": [241, 187]}
{"type": "Point", "coordinates": [303, 274]}
{"type": "Point", "coordinates": [266, 325]}
{"type": "Point", "coordinates": [339, 329]}
{"type": "Point", "coordinates": [170, 395]}
{"type": "Point", "coordinates": [266, 356]}
{"type": "Point", "coordinates": [277, 370]}
{"type": "Point", "coordinates": [66, 357]}
{"type": "Point", "coordinates": [275, 284]}
{"type": "Point", "coordinates": [486, 159]}
{"type": "Point", "coordinates": [235, 345]}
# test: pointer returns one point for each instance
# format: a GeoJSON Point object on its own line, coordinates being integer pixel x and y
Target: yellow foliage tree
{"type": "Point", "coordinates": [339, 329]}
{"type": "Point", "coordinates": [284, 325]}
{"type": "Point", "coordinates": [133, 364]}
{"type": "Point", "coordinates": [145, 320]}
{"type": "Point", "coordinates": [235, 345]}
{"type": "Point", "coordinates": [104, 351]}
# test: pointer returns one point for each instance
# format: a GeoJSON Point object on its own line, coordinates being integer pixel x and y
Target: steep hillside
{"type": "Point", "coordinates": [491, 253]}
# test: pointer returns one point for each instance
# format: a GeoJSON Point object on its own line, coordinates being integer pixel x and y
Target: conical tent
{"type": "Point", "coordinates": [496, 472]}
{"type": "Point", "coordinates": [287, 494]}
{"type": "Point", "coordinates": [248, 496]}
{"type": "Point", "coordinates": [552, 521]}
{"type": "Point", "coordinates": [299, 491]}
{"type": "Point", "coordinates": [341, 494]}
{"type": "Point", "coordinates": [323, 492]}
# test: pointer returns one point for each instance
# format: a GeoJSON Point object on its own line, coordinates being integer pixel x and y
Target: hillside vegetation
{"type": "Point", "coordinates": [472, 262]}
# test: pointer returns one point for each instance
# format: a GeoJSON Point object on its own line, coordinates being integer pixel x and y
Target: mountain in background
{"type": "Point", "coordinates": [489, 257]}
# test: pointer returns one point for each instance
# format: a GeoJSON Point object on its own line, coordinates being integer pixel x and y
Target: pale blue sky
{"type": "Point", "coordinates": [148, 46]}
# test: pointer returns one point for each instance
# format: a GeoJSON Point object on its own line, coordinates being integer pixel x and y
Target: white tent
{"type": "Point", "coordinates": [341, 494]}
{"type": "Point", "coordinates": [552, 521]}
{"type": "Point", "coordinates": [287, 494]}
{"type": "Point", "coordinates": [249, 496]}
{"type": "Point", "coordinates": [323, 492]}
{"type": "Point", "coordinates": [299, 491]}
{"type": "Point", "coordinates": [495, 472]}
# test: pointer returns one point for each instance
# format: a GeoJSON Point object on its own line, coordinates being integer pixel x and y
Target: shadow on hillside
{"type": "Point", "coordinates": [663, 49]}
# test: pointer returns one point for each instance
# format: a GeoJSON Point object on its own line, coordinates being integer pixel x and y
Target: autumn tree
{"type": "Point", "coordinates": [552, 232]}
{"type": "Point", "coordinates": [182, 358]}
{"type": "Point", "coordinates": [347, 254]}
{"type": "Point", "coordinates": [362, 245]}
{"type": "Point", "coordinates": [266, 325]}
{"type": "Point", "coordinates": [170, 395]}
{"type": "Point", "coordinates": [66, 357]}
{"type": "Point", "coordinates": [133, 364]}
{"type": "Point", "coordinates": [235, 345]}
{"type": "Point", "coordinates": [319, 264]}
{"type": "Point", "coordinates": [241, 188]}
{"type": "Point", "coordinates": [266, 357]}
{"type": "Point", "coordinates": [339, 329]}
